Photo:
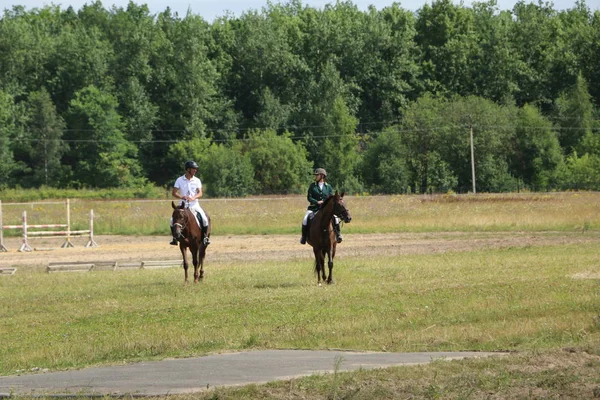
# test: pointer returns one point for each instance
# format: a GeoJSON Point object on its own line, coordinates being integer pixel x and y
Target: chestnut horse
{"type": "Point", "coordinates": [321, 235]}
{"type": "Point", "coordinates": [189, 235]}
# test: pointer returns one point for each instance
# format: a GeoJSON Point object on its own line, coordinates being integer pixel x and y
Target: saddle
{"type": "Point", "coordinates": [310, 218]}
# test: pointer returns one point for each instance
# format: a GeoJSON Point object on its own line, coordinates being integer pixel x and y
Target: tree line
{"type": "Point", "coordinates": [386, 100]}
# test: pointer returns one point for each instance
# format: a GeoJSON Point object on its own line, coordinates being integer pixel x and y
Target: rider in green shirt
{"type": "Point", "coordinates": [318, 191]}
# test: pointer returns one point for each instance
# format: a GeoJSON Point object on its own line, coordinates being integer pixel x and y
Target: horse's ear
{"type": "Point", "coordinates": [173, 204]}
{"type": "Point", "coordinates": [342, 195]}
{"type": "Point", "coordinates": [336, 193]}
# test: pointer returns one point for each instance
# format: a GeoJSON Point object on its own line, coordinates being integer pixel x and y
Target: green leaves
{"type": "Point", "coordinates": [128, 91]}
{"type": "Point", "coordinates": [102, 155]}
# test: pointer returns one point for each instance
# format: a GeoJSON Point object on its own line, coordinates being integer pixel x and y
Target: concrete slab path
{"type": "Point", "coordinates": [187, 375]}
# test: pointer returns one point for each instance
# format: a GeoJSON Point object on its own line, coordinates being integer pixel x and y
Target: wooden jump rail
{"type": "Point", "coordinates": [68, 233]}
{"type": "Point", "coordinates": [87, 266]}
{"type": "Point", "coordinates": [7, 271]}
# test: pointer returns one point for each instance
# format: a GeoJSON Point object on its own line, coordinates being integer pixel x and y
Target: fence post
{"type": "Point", "coordinates": [25, 246]}
{"type": "Point", "coordinates": [2, 248]}
{"type": "Point", "coordinates": [91, 242]}
{"type": "Point", "coordinates": [67, 242]}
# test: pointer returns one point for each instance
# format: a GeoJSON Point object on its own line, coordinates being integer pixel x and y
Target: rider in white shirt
{"type": "Point", "coordinates": [188, 188]}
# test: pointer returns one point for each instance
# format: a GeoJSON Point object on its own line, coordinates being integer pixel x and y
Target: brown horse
{"type": "Point", "coordinates": [321, 236]}
{"type": "Point", "coordinates": [189, 235]}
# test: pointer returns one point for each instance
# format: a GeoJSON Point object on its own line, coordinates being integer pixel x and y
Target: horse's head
{"type": "Point", "coordinates": [340, 209]}
{"type": "Point", "coordinates": [180, 219]}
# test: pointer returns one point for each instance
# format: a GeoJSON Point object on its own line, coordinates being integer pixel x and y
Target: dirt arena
{"type": "Point", "coordinates": [273, 247]}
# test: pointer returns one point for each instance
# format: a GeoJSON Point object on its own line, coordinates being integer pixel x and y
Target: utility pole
{"type": "Point", "coordinates": [472, 159]}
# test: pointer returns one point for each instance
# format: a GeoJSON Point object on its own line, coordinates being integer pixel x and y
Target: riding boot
{"type": "Point", "coordinates": [338, 233]}
{"type": "Point", "coordinates": [304, 234]}
{"type": "Point", "coordinates": [174, 240]}
{"type": "Point", "coordinates": [205, 238]}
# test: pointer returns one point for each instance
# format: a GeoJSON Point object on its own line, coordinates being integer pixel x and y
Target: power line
{"type": "Point", "coordinates": [297, 138]}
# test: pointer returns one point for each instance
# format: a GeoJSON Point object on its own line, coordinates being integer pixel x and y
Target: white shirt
{"type": "Point", "coordinates": [189, 187]}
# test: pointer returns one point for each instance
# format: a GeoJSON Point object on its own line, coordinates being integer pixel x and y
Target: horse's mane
{"type": "Point", "coordinates": [327, 199]}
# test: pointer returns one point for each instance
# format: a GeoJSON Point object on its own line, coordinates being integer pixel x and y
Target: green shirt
{"type": "Point", "coordinates": [315, 194]}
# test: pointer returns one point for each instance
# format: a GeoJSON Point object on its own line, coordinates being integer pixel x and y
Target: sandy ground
{"type": "Point", "coordinates": [273, 247]}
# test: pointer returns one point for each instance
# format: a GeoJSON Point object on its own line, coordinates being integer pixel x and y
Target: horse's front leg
{"type": "Point", "coordinates": [185, 263]}
{"type": "Point", "coordinates": [195, 262]}
{"type": "Point", "coordinates": [330, 255]}
{"type": "Point", "coordinates": [323, 272]}
{"type": "Point", "coordinates": [318, 264]}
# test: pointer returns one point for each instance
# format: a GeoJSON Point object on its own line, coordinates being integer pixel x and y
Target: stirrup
{"type": "Point", "coordinates": [206, 240]}
{"type": "Point", "coordinates": [303, 240]}
{"type": "Point", "coordinates": [173, 242]}
{"type": "Point", "coordinates": [339, 238]}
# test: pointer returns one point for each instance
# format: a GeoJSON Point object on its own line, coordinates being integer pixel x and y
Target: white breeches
{"type": "Point", "coordinates": [305, 219]}
{"type": "Point", "coordinates": [308, 212]}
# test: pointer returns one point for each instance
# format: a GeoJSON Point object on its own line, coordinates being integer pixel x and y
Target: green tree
{"type": "Point", "coordinates": [329, 129]}
{"type": "Point", "coordinates": [81, 59]}
{"type": "Point", "coordinates": [436, 132]}
{"type": "Point", "coordinates": [384, 165]}
{"type": "Point", "coordinates": [493, 133]}
{"type": "Point", "coordinates": [45, 129]}
{"type": "Point", "coordinates": [537, 153]}
{"type": "Point", "coordinates": [533, 35]}
{"type": "Point", "coordinates": [494, 63]}
{"type": "Point", "coordinates": [26, 45]}
{"type": "Point", "coordinates": [100, 154]}
{"type": "Point", "coordinates": [445, 35]}
{"type": "Point", "coordinates": [583, 172]}
{"type": "Point", "coordinates": [272, 114]}
{"type": "Point", "coordinates": [426, 133]}
{"type": "Point", "coordinates": [140, 116]}
{"type": "Point", "coordinates": [574, 115]}
{"type": "Point", "coordinates": [229, 171]}
{"type": "Point", "coordinates": [280, 165]}
{"type": "Point", "coordinates": [225, 170]}
{"type": "Point", "coordinates": [8, 132]}
{"type": "Point", "coordinates": [180, 152]}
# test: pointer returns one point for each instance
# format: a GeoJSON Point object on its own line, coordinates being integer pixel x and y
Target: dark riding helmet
{"type": "Point", "coordinates": [191, 164]}
{"type": "Point", "coordinates": [320, 171]}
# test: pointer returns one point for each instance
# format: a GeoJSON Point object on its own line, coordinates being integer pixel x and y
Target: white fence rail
{"type": "Point", "coordinates": [67, 234]}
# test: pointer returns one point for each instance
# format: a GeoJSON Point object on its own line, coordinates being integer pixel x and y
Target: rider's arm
{"type": "Point", "coordinates": [176, 194]}
{"type": "Point", "coordinates": [197, 195]}
{"type": "Point", "coordinates": [309, 197]}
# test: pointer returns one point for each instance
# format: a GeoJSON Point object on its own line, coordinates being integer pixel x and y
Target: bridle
{"type": "Point", "coordinates": [340, 210]}
{"type": "Point", "coordinates": [184, 219]}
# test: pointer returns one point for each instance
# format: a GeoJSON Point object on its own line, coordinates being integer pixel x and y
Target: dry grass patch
{"type": "Point", "coordinates": [283, 215]}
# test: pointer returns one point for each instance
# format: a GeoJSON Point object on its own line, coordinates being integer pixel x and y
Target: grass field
{"type": "Point", "coordinates": [281, 215]}
{"type": "Point", "coordinates": [536, 301]}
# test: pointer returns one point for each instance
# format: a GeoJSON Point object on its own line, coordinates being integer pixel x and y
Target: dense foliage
{"type": "Point", "coordinates": [385, 100]}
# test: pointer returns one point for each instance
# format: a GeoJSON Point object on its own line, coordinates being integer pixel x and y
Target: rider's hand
{"type": "Point", "coordinates": [320, 202]}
